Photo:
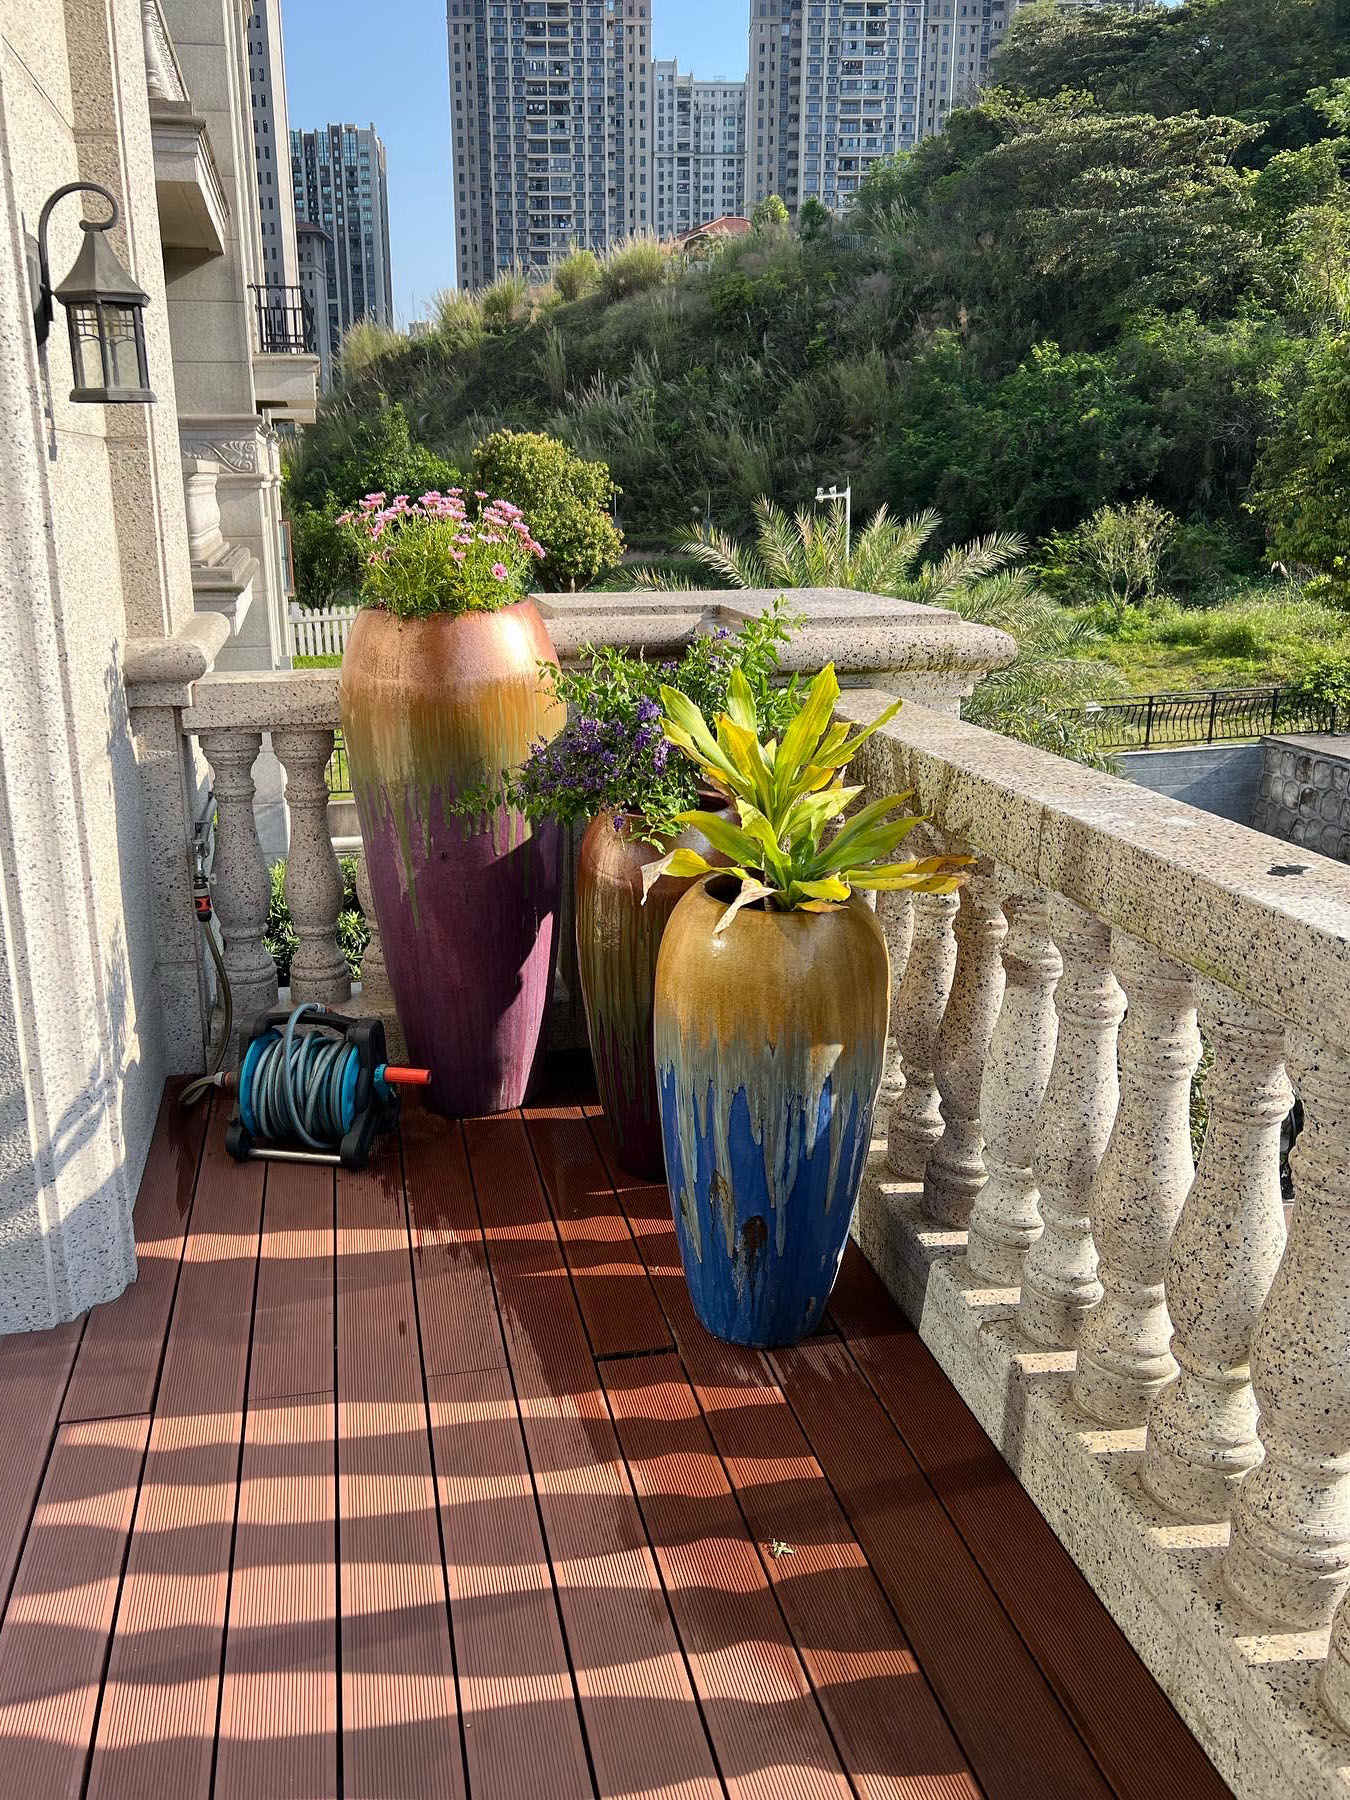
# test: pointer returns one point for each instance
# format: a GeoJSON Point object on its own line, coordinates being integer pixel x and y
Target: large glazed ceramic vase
{"type": "Point", "coordinates": [434, 711]}
{"type": "Point", "coordinates": [618, 938]}
{"type": "Point", "coordinates": [770, 1043]}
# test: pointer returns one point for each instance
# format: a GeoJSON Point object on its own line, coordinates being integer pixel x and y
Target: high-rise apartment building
{"type": "Point", "coordinates": [550, 104]}
{"type": "Point", "coordinates": [271, 143]}
{"type": "Point", "coordinates": [698, 149]}
{"type": "Point", "coordinates": [836, 84]}
{"type": "Point", "coordinates": [340, 183]}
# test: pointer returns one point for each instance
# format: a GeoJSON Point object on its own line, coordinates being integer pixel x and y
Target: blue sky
{"type": "Point", "coordinates": [386, 64]}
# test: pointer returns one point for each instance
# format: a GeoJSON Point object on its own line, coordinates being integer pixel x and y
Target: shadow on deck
{"type": "Point", "coordinates": [426, 1482]}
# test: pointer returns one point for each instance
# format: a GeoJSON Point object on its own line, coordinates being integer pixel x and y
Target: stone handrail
{"type": "Point", "coordinates": [1167, 1372]}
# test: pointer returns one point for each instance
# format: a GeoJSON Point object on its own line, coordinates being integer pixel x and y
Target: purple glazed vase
{"type": "Point", "coordinates": [466, 891]}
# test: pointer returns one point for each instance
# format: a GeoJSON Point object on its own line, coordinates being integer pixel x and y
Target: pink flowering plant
{"type": "Point", "coordinates": [442, 553]}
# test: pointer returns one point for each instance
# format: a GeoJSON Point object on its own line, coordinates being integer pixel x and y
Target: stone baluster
{"type": "Point", "coordinates": [377, 994]}
{"type": "Point", "coordinates": [313, 879]}
{"type": "Point", "coordinates": [159, 82]}
{"type": "Point", "coordinates": [954, 1172]}
{"type": "Point", "coordinates": [1288, 1557]}
{"type": "Point", "coordinates": [915, 1124]}
{"type": "Point", "coordinates": [1225, 1250]}
{"type": "Point", "coordinates": [1006, 1218]}
{"type": "Point", "coordinates": [895, 914]}
{"type": "Point", "coordinates": [1124, 1352]}
{"type": "Point", "coordinates": [240, 888]}
{"type": "Point", "coordinates": [1059, 1279]}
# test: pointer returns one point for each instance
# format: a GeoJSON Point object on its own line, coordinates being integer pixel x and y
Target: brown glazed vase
{"type": "Point", "coordinates": [466, 890]}
{"type": "Point", "coordinates": [617, 943]}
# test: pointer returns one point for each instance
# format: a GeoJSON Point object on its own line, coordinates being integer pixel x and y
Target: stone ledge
{"type": "Point", "coordinates": [161, 671]}
{"type": "Point", "coordinates": [1269, 922]}
{"type": "Point", "coordinates": [1248, 1694]}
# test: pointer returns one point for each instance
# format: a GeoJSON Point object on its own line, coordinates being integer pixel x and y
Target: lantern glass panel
{"type": "Point", "coordinates": [86, 351]}
{"type": "Point", "coordinates": [124, 358]}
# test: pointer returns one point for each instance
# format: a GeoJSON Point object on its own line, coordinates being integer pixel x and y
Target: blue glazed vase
{"type": "Point", "coordinates": [770, 1042]}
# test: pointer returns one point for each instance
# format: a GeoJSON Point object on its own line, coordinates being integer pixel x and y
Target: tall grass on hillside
{"type": "Point", "coordinates": [577, 274]}
{"type": "Point", "coordinates": [506, 301]}
{"type": "Point", "coordinates": [637, 264]}
{"type": "Point", "coordinates": [364, 345]}
{"type": "Point", "coordinates": [458, 319]}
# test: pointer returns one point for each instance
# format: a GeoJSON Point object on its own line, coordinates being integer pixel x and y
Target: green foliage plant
{"type": "Point", "coordinates": [433, 555]}
{"type": "Point", "coordinates": [1302, 482]}
{"type": "Point", "coordinates": [280, 938]}
{"type": "Point", "coordinates": [1324, 686]}
{"type": "Point", "coordinates": [613, 756]}
{"type": "Point", "coordinates": [565, 497]}
{"type": "Point", "coordinates": [788, 791]}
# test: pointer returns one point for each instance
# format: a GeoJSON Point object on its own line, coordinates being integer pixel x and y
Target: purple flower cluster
{"type": "Point", "coordinates": [499, 524]}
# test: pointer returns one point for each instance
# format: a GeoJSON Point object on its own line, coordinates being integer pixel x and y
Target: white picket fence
{"type": "Point", "coordinates": [320, 633]}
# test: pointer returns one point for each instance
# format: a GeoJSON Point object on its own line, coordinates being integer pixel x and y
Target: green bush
{"type": "Point", "coordinates": [577, 274]}
{"type": "Point", "coordinates": [565, 500]}
{"type": "Point", "coordinates": [771, 213]}
{"type": "Point", "coordinates": [280, 939]}
{"type": "Point", "coordinates": [1325, 683]}
{"type": "Point", "coordinates": [379, 456]}
{"type": "Point", "coordinates": [1119, 556]}
{"type": "Point", "coordinates": [633, 267]}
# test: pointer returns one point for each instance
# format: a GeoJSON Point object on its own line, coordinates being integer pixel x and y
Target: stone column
{"type": "Point", "coordinates": [915, 1123]}
{"type": "Point", "coordinates": [895, 914]}
{"type": "Point", "coordinates": [1124, 1354]}
{"type": "Point", "coordinates": [313, 880]}
{"type": "Point", "coordinates": [1288, 1557]}
{"type": "Point", "coordinates": [1226, 1248]}
{"type": "Point", "coordinates": [1006, 1218]}
{"type": "Point", "coordinates": [954, 1173]}
{"type": "Point", "coordinates": [241, 889]}
{"type": "Point", "coordinates": [1073, 1127]}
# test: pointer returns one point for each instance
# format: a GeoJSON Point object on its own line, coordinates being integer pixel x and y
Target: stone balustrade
{"type": "Point", "coordinates": [1169, 1377]}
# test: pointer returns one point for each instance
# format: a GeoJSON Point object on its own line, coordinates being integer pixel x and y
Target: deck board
{"type": "Point", "coordinates": [645, 1732]}
{"type": "Point", "coordinates": [612, 1289]}
{"type": "Point", "coordinates": [889, 1728]}
{"type": "Point", "coordinates": [55, 1634]}
{"type": "Point", "coordinates": [357, 1453]}
{"type": "Point", "coordinates": [157, 1723]}
{"type": "Point", "coordinates": [400, 1709]}
{"type": "Point", "coordinates": [278, 1710]}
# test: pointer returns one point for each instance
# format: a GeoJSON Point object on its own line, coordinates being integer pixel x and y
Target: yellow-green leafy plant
{"type": "Point", "coordinates": [788, 792]}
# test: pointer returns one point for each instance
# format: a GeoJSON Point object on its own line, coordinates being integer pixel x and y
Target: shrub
{"type": "Point", "coordinates": [771, 214]}
{"type": "Point", "coordinates": [577, 274]}
{"type": "Point", "coordinates": [280, 939]}
{"type": "Point", "coordinates": [1323, 686]}
{"type": "Point", "coordinates": [1119, 556]}
{"type": "Point", "coordinates": [633, 267]}
{"type": "Point", "coordinates": [565, 500]}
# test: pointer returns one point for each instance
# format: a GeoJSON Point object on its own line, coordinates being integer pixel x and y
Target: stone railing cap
{"type": "Point", "coordinates": [855, 631]}
{"type": "Point", "coordinates": [1267, 919]}
{"type": "Point", "coordinates": [167, 663]}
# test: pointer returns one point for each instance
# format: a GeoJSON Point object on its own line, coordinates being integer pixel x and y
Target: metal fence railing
{"type": "Point", "coordinates": [339, 778]}
{"type": "Point", "coordinates": [1210, 716]}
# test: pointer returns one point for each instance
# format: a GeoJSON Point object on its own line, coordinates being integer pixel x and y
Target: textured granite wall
{"type": "Point", "coordinates": [1304, 793]}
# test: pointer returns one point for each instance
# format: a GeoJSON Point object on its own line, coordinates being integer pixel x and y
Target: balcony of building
{"type": "Point", "coordinates": [286, 354]}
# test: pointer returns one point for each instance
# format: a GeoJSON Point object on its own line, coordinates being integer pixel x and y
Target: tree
{"type": "Point", "coordinates": [1031, 700]}
{"type": "Point", "coordinates": [815, 221]}
{"type": "Point", "coordinates": [1119, 555]}
{"type": "Point", "coordinates": [1302, 483]}
{"type": "Point", "coordinates": [564, 498]}
{"type": "Point", "coordinates": [771, 214]}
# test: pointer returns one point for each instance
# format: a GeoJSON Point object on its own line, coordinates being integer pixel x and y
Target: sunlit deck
{"type": "Point", "coordinates": [426, 1483]}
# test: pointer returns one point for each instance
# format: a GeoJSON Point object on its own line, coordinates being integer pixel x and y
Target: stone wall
{"type": "Point", "coordinates": [1304, 793]}
{"type": "Point", "coordinates": [93, 556]}
{"type": "Point", "coordinates": [1221, 779]}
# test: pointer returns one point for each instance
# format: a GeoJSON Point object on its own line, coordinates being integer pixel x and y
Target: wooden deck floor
{"type": "Point", "coordinates": [425, 1482]}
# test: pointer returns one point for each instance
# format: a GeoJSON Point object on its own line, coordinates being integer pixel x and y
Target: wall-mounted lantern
{"type": "Point", "coordinates": [104, 311]}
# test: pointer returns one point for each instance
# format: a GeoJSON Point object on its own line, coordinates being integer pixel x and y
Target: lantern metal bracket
{"type": "Point", "coordinates": [44, 311]}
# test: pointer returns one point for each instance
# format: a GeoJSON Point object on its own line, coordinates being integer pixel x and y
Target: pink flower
{"type": "Point", "coordinates": [345, 518]}
{"type": "Point", "coordinates": [478, 494]}
{"type": "Point", "coordinates": [500, 571]}
{"type": "Point", "coordinates": [373, 500]}
{"type": "Point", "coordinates": [458, 555]}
